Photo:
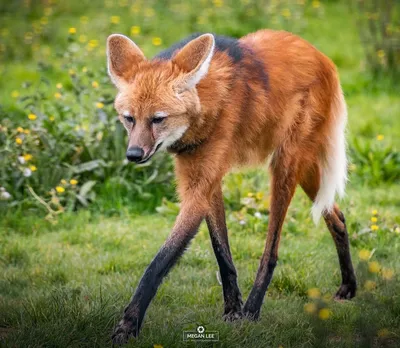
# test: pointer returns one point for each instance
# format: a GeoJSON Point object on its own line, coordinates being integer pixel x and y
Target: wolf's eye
{"type": "Point", "coordinates": [156, 120]}
{"type": "Point", "coordinates": [129, 119]}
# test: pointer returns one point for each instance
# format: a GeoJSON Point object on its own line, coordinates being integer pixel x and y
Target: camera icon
{"type": "Point", "coordinates": [200, 329]}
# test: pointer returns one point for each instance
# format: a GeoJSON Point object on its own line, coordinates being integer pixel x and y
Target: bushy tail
{"type": "Point", "coordinates": [334, 165]}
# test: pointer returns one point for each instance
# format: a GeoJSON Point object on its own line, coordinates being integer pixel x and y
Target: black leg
{"type": "Point", "coordinates": [337, 227]}
{"type": "Point", "coordinates": [283, 186]}
{"type": "Point", "coordinates": [185, 229]}
{"type": "Point", "coordinates": [219, 237]}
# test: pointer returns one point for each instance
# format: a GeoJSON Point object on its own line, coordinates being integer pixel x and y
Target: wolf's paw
{"type": "Point", "coordinates": [346, 292]}
{"type": "Point", "coordinates": [124, 331]}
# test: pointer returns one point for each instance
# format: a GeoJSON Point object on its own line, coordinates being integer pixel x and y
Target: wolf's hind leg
{"type": "Point", "coordinates": [336, 224]}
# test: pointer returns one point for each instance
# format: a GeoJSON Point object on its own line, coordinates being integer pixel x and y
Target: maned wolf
{"type": "Point", "coordinates": [215, 103]}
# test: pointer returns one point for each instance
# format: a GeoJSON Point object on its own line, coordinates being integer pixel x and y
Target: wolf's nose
{"type": "Point", "coordinates": [135, 154]}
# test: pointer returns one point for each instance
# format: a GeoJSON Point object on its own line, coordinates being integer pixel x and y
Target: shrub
{"type": "Point", "coordinates": [378, 24]}
{"type": "Point", "coordinates": [63, 139]}
{"type": "Point", "coordinates": [374, 162]}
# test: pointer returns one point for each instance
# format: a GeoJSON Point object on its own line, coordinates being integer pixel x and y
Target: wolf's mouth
{"type": "Point", "coordinates": [151, 155]}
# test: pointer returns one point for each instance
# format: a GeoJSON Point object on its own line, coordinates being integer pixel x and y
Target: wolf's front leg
{"type": "Point", "coordinates": [185, 229]}
{"type": "Point", "coordinates": [219, 238]}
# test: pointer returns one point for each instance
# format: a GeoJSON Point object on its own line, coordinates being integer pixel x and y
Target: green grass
{"type": "Point", "coordinates": [66, 282]}
{"type": "Point", "coordinates": [66, 285]}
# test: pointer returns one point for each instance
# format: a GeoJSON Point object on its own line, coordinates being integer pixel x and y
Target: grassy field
{"type": "Point", "coordinates": [64, 281]}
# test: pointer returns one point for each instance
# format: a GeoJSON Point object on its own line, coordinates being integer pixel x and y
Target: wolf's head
{"type": "Point", "coordinates": [157, 100]}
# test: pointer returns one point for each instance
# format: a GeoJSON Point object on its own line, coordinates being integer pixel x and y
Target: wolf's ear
{"type": "Point", "coordinates": [194, 59]}
{"type": "Point", "coordinates": [123, 57]}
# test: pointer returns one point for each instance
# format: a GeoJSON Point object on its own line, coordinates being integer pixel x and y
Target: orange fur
{"type": "Point", "coordinates": [278, 100]}
{"type": "Point", "coordinates": [292, 114]}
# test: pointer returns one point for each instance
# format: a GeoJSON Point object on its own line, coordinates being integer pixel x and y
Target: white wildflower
{"type": "Point", "coordinates": [4, 195]}
{"type": "Point", "coordinates": [21, 159]}
{"type": "Point", "coordinates": [27, 172]}
{"type": "Point", "coordinates": [258, 215]}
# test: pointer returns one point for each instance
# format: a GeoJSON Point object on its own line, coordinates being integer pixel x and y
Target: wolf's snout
{"type": "Point", "coordinates": [135, 154]}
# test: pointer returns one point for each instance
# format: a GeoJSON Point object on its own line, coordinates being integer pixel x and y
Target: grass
{"type": "Point", "coordinates": [66, 284]}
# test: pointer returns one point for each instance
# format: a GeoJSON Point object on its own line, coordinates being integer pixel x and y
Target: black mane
{"type": "Point", "coordinates": [222, 43]}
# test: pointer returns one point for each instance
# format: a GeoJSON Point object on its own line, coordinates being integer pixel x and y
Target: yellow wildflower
{"type": "Point", "coordinates": [26, 131]}
{"type": "Point", "coordinates": [99, 105]}
{"type": "Point", "coordinates": [156, 41]}
{"type": "Point", "coordinates": [57, 95]}
{"type": "Point", "coordinates": [374, 267]}
{"type": "Point", "coordinates": [44, 20]}
{"type": "Point", "coordinates": [95, 84]}
{"type": "Point", "coordinates": [135, 8]}
{"type": "Point", "coordinates": [380, 137]}
{"type": "Point", "coordinates": [32, 117]}
{"type": "Point", "coordinates": [59, 85]}
{"type": "Point", "coordinates": [15, 94]}
{"type": "Point", "coordinates": [63, 181]}
{"type": "Point", "coordinates": [374, 227]}
{"type": "Point", "coordinates": [316, 4]}
{"type": "Point", "coordinates": [218, 3]}
{"type": "Point", "coordinates": [259, 195]}
{"type": "Point", "coordinates": [370, 285]}
{"type": "Point", "coordinates": [82, 38]}
{"type": "Point", "coordinates": [27, 157]}
{"type": "Point", "coordinates": [383, 332]}
{"type": "Point", "coordinates": [18, 140]}
{"type": "Point", "coordinates": [250, 194]}
{"type": "Point", "coordinates": [310, 308]}
{"type": "Point", "coordinates": [51, 118]}
{"type": "Point", "coordinates": [71, 72]}
{"type": "Point", "coordinates": [73, 182]}
{"type": "Point", "coordinates": [374, 219]}
{"type": "Point", "coordinates": [286, 13]}
{"type": "Point", "coordinates": [324, 313]}
{"type": "Point", "coordinates": [149, 12]}
{"type": "Point", "coordinates": [20, 129]}
{"type": "Point", "coordinates": [48, 11]}
{"type": "Point", "coordinates": [364, 254]}
{"type": "Point", "coordinates": [93, 43]}
{"type": "Point", "coordinates": [380, 53]}
{"type": "Point", "coordinates": [135, 30]}
{"type": "Point", "coordinates": [72, 31]}
{"type": "Point", "coordinates": [33, 168]}
{"type": "Point", "coordinates": [84, 69]}
{"type": "Point", "coordinates": [314, 293]}
{"type": "Point", "coordinates": [387, 273]}
{"type": "Point", "coordinates": [114, 19]}
{"type": "Point", "coordinates": [374, 212]}
{"type": "Point", "coordinates": [60, 189]}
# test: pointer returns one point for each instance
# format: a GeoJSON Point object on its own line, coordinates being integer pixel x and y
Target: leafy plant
{"type": "Point", "coordinates": [378, 24]}
{"type": "Point", "coordinates": [374, 161]}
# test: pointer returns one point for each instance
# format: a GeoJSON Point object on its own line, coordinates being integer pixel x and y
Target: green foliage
{"type": "Point", "coordinates": [378, 24]}
{"type": "Point", "coordinates": [374, 161]}
{"type": "Point", "coordinates": [63, 140]}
